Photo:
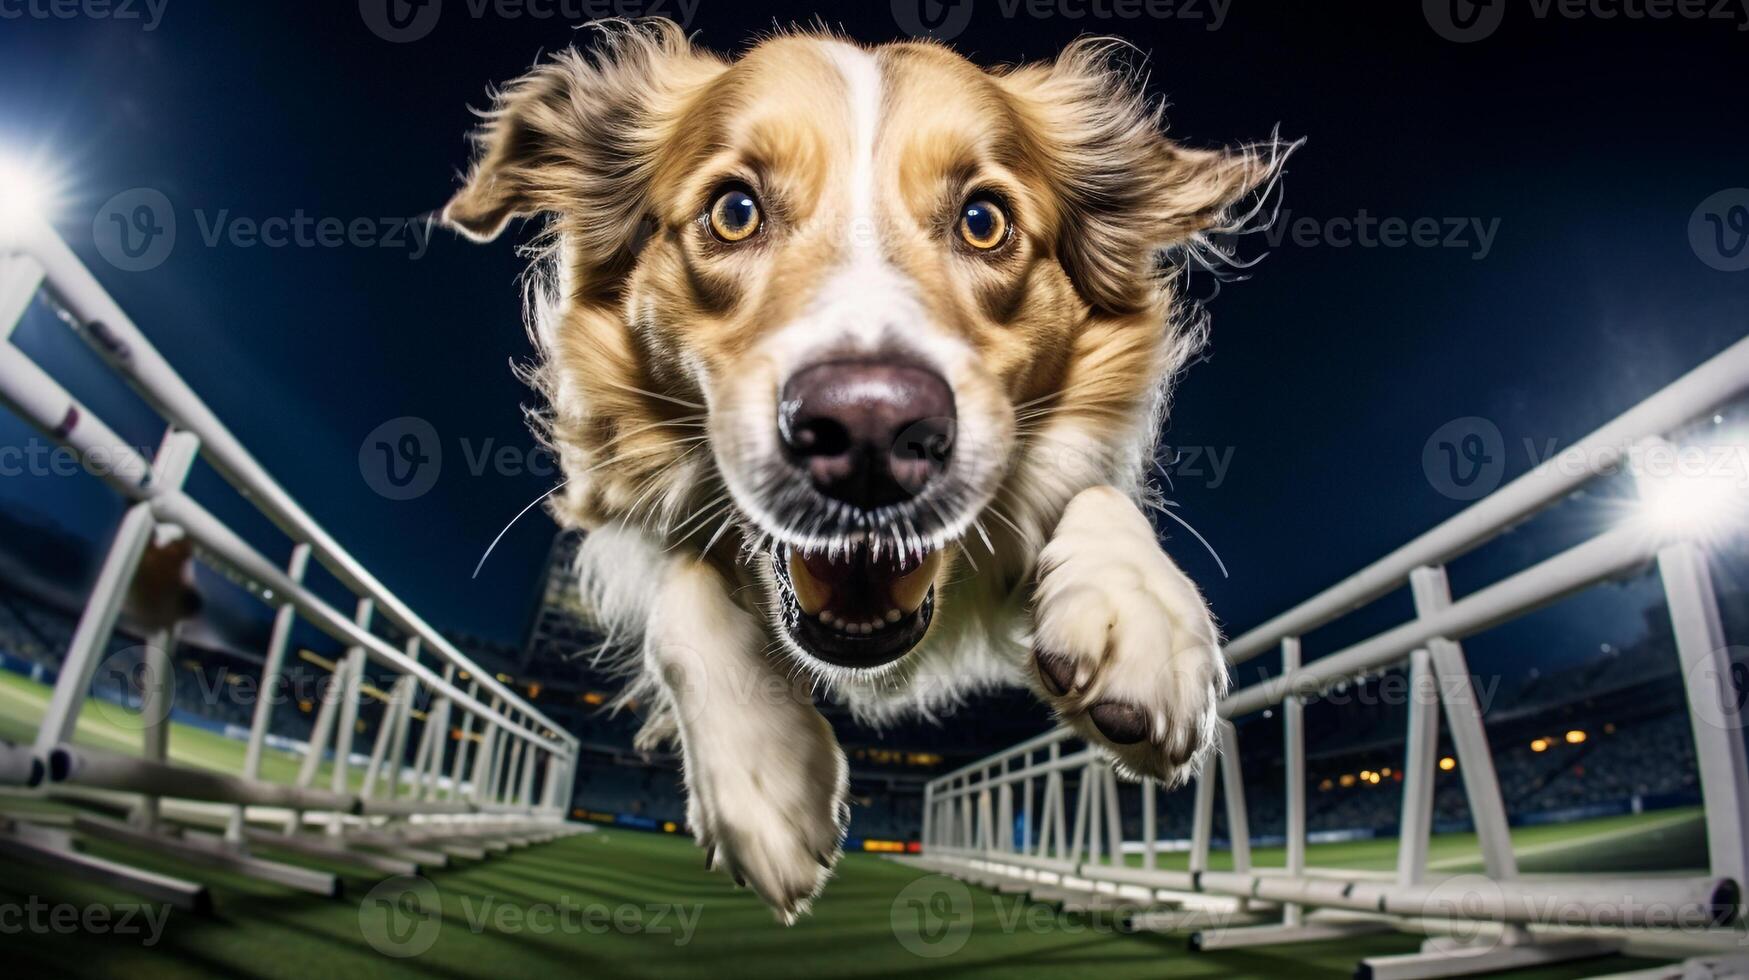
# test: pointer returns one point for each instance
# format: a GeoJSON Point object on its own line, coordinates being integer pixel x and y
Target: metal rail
{"type": "Point", "coordinates": [35, 262]}
{"type": "Point", "coordinates": [1080, 847]}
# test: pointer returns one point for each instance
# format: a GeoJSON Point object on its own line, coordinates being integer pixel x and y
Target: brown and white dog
{"type": "Point", "coordinates": [855, 360]}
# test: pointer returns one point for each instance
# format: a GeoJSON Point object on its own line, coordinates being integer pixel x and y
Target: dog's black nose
{"type": "Point", "coordinates": [869, 433]}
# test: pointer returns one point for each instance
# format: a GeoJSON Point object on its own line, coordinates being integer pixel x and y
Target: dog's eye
{"type": "Point", "coordinates": [735, 216]}
{"type": "Point", "coordinates": [983, 225]}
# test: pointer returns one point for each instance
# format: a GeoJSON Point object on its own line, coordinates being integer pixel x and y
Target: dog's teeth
{"type": "Point", "coordinates": [826, 617]}
{"type": "Point", "coordinates": [893, 615]}
{"type": "Point", "coordinates": [811, 593]}
{"type": "Point", "coordinates": [908, 590]}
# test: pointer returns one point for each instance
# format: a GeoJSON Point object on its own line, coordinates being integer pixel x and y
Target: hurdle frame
{"type": "Point", "coordinates": [398, 820]}
{"type": "Point", "coordinates": [1496, 920]}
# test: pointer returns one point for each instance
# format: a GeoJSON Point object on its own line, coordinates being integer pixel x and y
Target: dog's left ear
{"type": "Point", "coordinates": [578, 137]}
{"type": "Point", "coordinates": [1130, 193]}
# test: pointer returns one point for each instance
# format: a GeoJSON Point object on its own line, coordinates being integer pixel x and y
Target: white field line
{"type": "Point", "coordinates": [1556, 846]}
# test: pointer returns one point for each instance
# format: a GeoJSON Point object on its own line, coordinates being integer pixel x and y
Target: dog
{"type": "Point", "coordinates": [854, 359]}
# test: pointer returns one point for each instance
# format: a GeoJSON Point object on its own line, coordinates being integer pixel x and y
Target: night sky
{"type": "Point", "coordinates": [1569, 155]}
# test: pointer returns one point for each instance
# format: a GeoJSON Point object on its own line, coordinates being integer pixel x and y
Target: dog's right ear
{"type": "Point", "coordinates": [577, 137]}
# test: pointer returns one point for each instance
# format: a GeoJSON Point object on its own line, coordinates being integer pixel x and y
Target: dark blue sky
{"type": "Point", "coordinates": [1571, 153]}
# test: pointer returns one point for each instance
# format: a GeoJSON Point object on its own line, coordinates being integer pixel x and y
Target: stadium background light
{"type": "Point", "coordinates": [26, 193]}
{"type": "Point", "coordinates": [1702, 489]}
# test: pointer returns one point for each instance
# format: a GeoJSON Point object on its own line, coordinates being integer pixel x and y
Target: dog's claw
{"type": "Point", "coordinates": [1056, 671]}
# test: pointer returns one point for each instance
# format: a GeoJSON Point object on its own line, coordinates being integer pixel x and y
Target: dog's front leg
{"type": "Point", "coordinates": [1124, 647]}
{"type": "Point", "coordinates": [765, 777]}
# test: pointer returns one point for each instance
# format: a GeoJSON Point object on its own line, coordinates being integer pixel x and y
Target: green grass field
{"type": "Point", "coordinates": [623, 903]}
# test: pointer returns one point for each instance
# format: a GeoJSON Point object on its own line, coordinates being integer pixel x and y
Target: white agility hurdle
{"type": "Point", "coordinates": [1478, 922]}
{"type": "Point", "coordinates": [401, 819]}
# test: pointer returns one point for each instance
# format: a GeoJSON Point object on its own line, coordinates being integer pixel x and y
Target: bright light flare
{"type": "Point", "coordinates": [1698, 490]}
{"type": "Point", "coordinates": [27, 193]}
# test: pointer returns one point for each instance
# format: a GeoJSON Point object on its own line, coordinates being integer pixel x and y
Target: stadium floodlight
{"type": "Point", "coordinates": [1697, 490]}
{"type": "Point", "coordinates": [26, 194]}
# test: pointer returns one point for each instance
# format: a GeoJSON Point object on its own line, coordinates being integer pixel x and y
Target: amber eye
{"type": "Point", "coordinates": [983, 225]}
{"type": "Point", "coordinates": [735, 216]}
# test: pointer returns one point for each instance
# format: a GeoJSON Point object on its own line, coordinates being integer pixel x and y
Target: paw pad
{"type": "Point", "coordinates": [1124, 724]}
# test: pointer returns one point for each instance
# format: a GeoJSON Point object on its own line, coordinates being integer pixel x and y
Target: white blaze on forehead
{"type": "Point", "coordinates": [862, 82]}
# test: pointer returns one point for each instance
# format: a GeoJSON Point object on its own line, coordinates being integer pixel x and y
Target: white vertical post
{"type": "Point", "coordinates": [928, 816]}
{"type": "Point", "coordinates": [1202, 826]}
{"type": "Point", "coordinates": [1083, 811]}
{"type": "Point", "coordinates": [1113, 817]}
{"type": "Point", "coordinates": [1233, 787]}
{"type": "Point", "coordinates": [1293, 720]}
{"type": "Point", "coordinates": [345, 728]}
{"type": "Point", "coordinates": [463, 746]}
{"type": "Point", "coordinates": [324, 723]}
{"type": "Point", "coordinates": [403, 723]}
{"type": "Point", "coordinates": [385, 732]}
{"type": "Point", "coordinates": [1415, 826]}
{"type": "Point", "coordinates": [1714, 707]}
{"type": "Point", "coordinates": [1150, 843]}
{"type": "Point", "coordinates": [272, 669]}
{"type": "Point", "coordinates": [1469, 739]}
{"type": "Point", "coordinates": [1005, 816]}
{"type": "Point", "coordinates": [97, 622]}
{"type": "Point", "coordinates": [158, 691]}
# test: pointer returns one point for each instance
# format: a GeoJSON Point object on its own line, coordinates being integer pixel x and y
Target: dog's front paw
{"type": "Point", "coordinates": [773, 820]}
{"type": "Point", "coordinates": [1124, 647]}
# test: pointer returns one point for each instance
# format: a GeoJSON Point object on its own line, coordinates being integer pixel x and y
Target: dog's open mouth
{"type": "Point", "coordinates": [856, 609]}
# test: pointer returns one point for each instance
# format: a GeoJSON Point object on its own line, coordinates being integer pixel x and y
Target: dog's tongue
{"type": "Point", "coordinates": [859, 590]}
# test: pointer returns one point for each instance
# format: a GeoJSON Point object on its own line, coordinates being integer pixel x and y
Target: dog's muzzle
{"type": "Point", "coordinates": [869, 435]}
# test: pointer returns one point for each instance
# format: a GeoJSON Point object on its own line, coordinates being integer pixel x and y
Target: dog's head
{"type": "Point", "coordinates": [849, 304]}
